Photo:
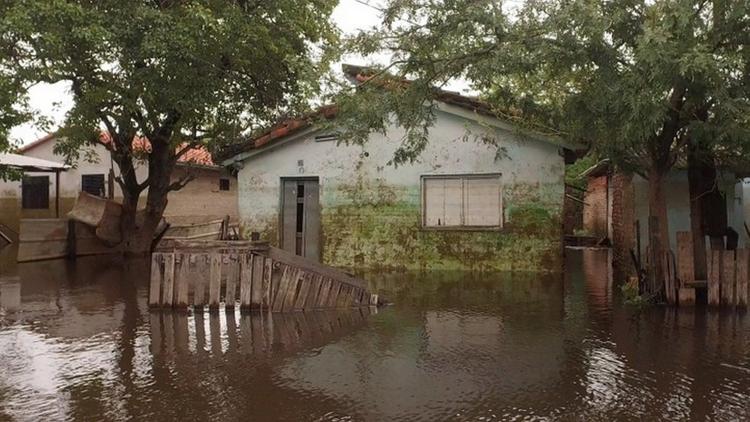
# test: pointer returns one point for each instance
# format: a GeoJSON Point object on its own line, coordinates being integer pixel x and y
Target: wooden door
{"type": "Point", "coordinates": [300, 217]}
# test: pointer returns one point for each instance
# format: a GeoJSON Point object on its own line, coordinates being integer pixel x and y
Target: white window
{"type": "Point", "coordinates": [470, 200]}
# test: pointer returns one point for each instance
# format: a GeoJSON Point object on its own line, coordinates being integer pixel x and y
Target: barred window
{"type": "Point", "coordinates": [462, 201]}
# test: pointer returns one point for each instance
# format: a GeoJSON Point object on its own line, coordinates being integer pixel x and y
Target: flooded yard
{"type": "Point", "coordinates": [77, 341]}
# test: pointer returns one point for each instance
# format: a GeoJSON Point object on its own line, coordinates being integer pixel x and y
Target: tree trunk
{"type": "Point", "coordinates": [658, 228]}
{"type": "Point", "coordinates": [139, 226]}
{"type": "Point", "coordinates": [697, 188]}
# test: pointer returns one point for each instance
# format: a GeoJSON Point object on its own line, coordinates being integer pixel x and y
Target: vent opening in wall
{"type": "Point", "coordinates": [223, 184]}
{"type": "Point", "coordinates": [326, 137]}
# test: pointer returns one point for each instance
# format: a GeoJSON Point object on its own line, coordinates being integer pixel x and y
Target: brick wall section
{"type": "Point", "coordinates": [595, 208]}
{"type": "Point", "coordinates": [623, 225]}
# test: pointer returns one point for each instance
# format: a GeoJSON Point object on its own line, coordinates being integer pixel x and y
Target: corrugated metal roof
{"type": "Point", "coordinates": [23, 162]}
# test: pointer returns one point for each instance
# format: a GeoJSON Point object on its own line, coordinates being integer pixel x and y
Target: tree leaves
{"type": "Point", "coordinates": [630, 78]}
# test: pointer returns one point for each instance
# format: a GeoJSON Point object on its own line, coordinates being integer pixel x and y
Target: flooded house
{"type": "Point", "coordinates": [212, 194]}
{"type": "Point", "coordinates": [616, 208]}
{"type": "Point", "coordinates": [460, 205]}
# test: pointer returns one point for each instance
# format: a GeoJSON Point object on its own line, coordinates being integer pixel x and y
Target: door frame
{"type": "Point", "coordinates": [280, 219]}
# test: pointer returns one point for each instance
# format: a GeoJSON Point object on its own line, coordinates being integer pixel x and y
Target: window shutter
{"type": "Point", "coordinates": [434, 202]}
{"type": "Point", "coordinates": [454, 201]}
{"type": "Point", "coordinates": [483, 204]}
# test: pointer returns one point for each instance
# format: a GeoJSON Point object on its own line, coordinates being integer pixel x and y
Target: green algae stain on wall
{"type": "Point", "coordinates": [370, 225]}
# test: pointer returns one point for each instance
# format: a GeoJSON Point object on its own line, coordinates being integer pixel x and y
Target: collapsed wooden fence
{"type": "Point", "coordinates": [727, 281]}
{"type": "Point", "coordinates": [251, 273]}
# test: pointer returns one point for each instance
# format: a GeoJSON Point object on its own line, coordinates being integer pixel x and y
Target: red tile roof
{"type": "Point", "coordinates": [198, 155]}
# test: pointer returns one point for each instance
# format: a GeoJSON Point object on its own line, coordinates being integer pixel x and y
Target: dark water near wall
{"type": "Point", "coordinates": [82, 344]}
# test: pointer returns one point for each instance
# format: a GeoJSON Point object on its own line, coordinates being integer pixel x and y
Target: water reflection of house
{"type": "Point", "coordinates": [212, 193]}
{"type": "Point", "coordinates": [616, 207]}
{"type": "Point", "coordinates": [459, 204]}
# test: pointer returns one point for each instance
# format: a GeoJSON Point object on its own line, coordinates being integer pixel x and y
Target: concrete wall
{"type": "Point", "coordinates": [201, 197]}
{"type": "Point", "coordinates": [371, 211]}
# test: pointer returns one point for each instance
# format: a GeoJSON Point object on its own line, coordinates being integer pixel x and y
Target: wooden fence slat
{"type": "Point", "coordinates": [214, 285]}
{"type": "Point", "coordinates": [182, 278]}
{"type": "Point", "coordinates": [334, 294]}
{"type": "Point", "coordinates": [167, 288]}
{"type": "Point", "coordinates": [280, 289]}
{"type": "Point", "coordinates": [291, 289]}
{"type": "Point", "coordinates": [201, 272]}
{"type": "Point", "coordinates": [154, 297]}
{"type": "Point", "coordinates": [278, 269]}
{"type": "Point", "coordinates": [743, 265]}
{"type": "Point", "coordinates": [267, 276]}
{"type": "Point", "coordinates": [246, 280]}
{"type": "Point", "coordinates": [231, 270]}
{"type": "Point", "coordinates": [685, 258]}
{"type": "Point", "coordinates": [727, 278]}
{"type": "Point", "coordinates": [312, 296]}
{"type": "Point", "coordinates": [714, 278]}
{"type": "Point", "coordinates": [325, 288]}
{"type": "Point", "coordinates": [304, 290]}
{"type": "Point", "coordinates": [256, 297]}
{"type": "Point", "coordinates": [670, 288]}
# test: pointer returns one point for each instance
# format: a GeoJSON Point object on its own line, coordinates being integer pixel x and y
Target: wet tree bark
{"type": "Point", "coordinates": [658, 227]}
{"type": "Point", "coordinates": [708, 214]}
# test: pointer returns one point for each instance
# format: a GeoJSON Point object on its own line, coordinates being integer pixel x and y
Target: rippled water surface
{"type": "Point", "coordinates": [77, 341]}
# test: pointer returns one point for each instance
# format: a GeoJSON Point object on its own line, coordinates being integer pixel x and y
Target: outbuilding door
{"type": "Point", "coordinates": [300, 216]}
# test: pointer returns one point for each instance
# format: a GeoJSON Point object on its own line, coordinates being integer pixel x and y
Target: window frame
{"type": "Point", "coordinates": [104, 183]}
{"type": "Point", "coordinates": [463, 177]}
{"type": "Point", "coordinates": [24, 195]}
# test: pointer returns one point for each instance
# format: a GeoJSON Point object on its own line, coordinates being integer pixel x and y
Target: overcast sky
{"type": "Point", "coordinates": [54, 100]}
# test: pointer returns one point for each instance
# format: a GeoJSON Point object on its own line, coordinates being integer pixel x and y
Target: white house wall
{"type": "Point", "coordinates": [371, 211]}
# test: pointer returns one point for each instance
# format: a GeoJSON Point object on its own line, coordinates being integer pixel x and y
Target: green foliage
{"type": "Point", "coordinates": [631, 296]}
{"type": "Point", "coordinates": [637, 80]}
{"type": "Point", "coordinates": [191, 71]}
{"type": "Point", "coordinates": [573, 171]}
{"type": "Point", "coordinates": [529, 218]}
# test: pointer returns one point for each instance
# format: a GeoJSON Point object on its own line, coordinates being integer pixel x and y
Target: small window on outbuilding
{"type": "Point", "coordinates": [93, 184]}
{"type": "Point", "coordinates": [462, 201]}
{"type": "Point", "coordinates": [223, 184]}
{"type": "Point", "coordinates": [35, 192]}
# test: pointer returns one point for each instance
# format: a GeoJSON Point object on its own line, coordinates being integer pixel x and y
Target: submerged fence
{"type": "Point", "coordinates": [253, 274]}
{"type": "Point", "coordinates": [727, 276]}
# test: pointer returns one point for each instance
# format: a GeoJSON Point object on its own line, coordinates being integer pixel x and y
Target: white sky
{"type": "Point", "coordinates": [53, 101]}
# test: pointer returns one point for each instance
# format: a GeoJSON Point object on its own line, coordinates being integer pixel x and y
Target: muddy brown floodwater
{"type": "Point", "coordinates": [77, 342]}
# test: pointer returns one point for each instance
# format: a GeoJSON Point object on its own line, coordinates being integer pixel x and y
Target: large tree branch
{"type": "Point", "coordinates": [180, 183]}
